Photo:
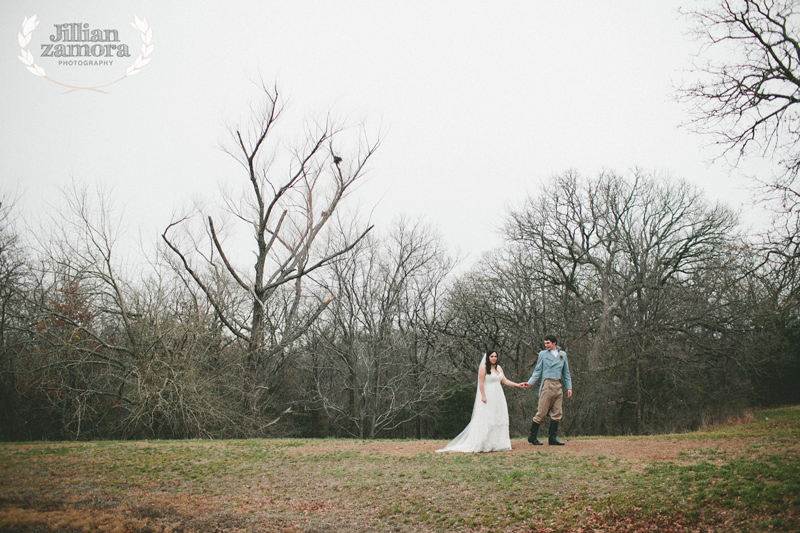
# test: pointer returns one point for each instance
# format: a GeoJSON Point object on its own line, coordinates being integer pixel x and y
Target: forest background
{"type": "Point", "coordinates": [275, 311]}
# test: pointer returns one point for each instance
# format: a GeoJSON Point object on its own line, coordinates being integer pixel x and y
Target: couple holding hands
{"type": "Point", "coordinates": [487, 430]}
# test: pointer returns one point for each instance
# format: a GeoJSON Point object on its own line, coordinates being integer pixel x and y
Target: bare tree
{"type": "Point", "coordinates": [746, 96]}
{"type": "Point", "coordinates": [290, 198]}
{"type": "Point", "coordinates": [377, 360]}
{"type": "Point", "coordinates": [617, 251]}
{"type": "Point", "coordinates": [749, 78]}
{"type": "Point", "coordinates": [79, 296]}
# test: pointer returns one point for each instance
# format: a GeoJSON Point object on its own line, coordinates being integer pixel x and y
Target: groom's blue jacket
{"type": "Point", "coordinates": [549, 366]}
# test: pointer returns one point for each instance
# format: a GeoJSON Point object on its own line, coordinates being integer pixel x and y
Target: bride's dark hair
{"type": "Point", "coordinates": [489, 363]}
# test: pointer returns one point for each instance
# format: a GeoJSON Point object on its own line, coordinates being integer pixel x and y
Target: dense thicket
{"type": "Point", "coordinates": [673, 318]}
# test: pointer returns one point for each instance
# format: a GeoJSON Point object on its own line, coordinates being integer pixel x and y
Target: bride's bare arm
{"type": "Point", "coordinates": [509, 383]}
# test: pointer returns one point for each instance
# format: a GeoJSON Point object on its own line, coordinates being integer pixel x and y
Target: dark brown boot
{"type": "Point", "coordinates": [553, 441]}
{"type": "Point", "coordinates": [532, 437]}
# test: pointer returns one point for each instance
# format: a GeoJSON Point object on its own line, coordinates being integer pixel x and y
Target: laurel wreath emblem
{"type": "Point", "coordinates": [24, 39]}
{"type": "Point", "coordinates": [147, 46]}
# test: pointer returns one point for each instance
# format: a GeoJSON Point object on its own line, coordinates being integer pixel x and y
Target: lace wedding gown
{"type": "Point", "coordinates": [487, 431]}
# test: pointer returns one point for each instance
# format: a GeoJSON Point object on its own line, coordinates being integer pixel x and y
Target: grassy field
{"type": "Point", "coordinates": [744, 476]}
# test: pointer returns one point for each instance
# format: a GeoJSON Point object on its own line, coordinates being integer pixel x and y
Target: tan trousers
{"type": "Point", "coordinates": [550, 400]}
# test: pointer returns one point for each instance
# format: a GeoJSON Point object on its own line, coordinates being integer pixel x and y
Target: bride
{"type": "Point", "coordinates": [487, 431]}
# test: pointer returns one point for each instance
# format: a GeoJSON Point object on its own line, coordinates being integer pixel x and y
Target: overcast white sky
{"type": "Point", "coordinates": [479, 102]}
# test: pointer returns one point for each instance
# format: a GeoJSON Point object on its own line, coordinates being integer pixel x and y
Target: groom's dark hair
{"type": "Point", "coordinates": [551, 338]}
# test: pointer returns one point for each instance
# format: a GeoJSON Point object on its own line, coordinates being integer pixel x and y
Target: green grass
{"type": "Point", "coordinates": [307, 485]}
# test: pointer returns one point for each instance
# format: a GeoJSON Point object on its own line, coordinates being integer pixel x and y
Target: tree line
{"type": "Point", "coordinates": [671, 316]}
{"type": "Point", "coordinates": [276, 314]}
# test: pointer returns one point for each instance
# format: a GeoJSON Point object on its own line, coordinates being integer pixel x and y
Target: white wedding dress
{"type": "Point", "coordinates": [487, 431]}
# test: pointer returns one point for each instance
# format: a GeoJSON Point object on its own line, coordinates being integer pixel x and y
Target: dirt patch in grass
{"type": "Point", "coordinates": [169, 513]}
{"type": "Point", "coordinates": [638, 449]}
{"type": "Point", "coordinates": [47, 516]}
{"type": "Point", "coordinates": [53, 445]}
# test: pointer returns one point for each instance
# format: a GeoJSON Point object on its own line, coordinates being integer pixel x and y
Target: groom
{"type": "Point", "coordinates": [551, 367]}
